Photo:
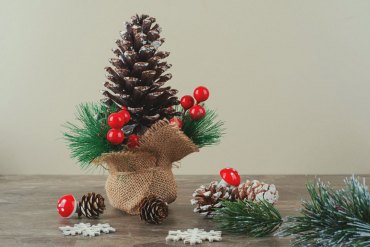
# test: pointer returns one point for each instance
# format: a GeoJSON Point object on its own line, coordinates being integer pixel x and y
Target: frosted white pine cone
{"type": "Point", "coordinates": [257, 191]}
{"type": "Point", "coordinates": [207, 198]}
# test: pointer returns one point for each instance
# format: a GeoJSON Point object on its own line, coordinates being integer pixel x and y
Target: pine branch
{"type": "Point", "coordinates": [206, 131]}
{"type": "Point", "coordinates": [332, 217]}
{"type": "Point", "coordinates": [256, 219]}
{"type": "Point", "coordinates": [88, 141]}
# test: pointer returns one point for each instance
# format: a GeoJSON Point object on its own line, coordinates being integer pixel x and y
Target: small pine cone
{"type": "Point", "coordinates": [91, 206]}
{"type": "Point", "coordinates": [255, 190]}
{"type": "Point", "coordinates": [207, 198]}
{"type": "Point", "coordinates": [153, 210]}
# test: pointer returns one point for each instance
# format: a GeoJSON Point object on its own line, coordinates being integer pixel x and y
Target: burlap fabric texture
{"type": "Point", "coordinates": [146, 170]}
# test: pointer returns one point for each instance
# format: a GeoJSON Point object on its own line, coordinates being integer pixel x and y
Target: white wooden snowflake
{"type": "Point", "coordinates": [86, 230]}
{"type": "Point", "coordinates": [194, 236]}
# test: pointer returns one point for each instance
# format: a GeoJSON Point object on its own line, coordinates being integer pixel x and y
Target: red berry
{"type": "Point", "coordinates": [187, 101]}
{"type": "Point", "coordinates": [115, 136]}
{"type": "Point", "coordinates": [197, 112]}
{"type": "Point", "coordinates": [123, 107]}
{"type": "Point", "coordinates": [177, 122]}
{"type": "Point", "coordinates": [133, 141]}
{"type": "Point", "coordinates": [116, 121]}
{"type": "Point", "coordinates": [201, 94]}
{"type": "Point", "coordinates": [126, 115]}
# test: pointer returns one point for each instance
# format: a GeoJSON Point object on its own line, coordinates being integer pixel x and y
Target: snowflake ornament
{"type": "Point", "coordinates": [86, 230]}
{"type": "Point", "coordinates": [194, 236]}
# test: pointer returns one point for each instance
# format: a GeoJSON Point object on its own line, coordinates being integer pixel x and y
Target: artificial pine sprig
{"type": "Point", "coordinates": [87, 140]}
{"type": "Point", "coordinates": [255, 219]}
{"type": "Point", "coordinates": [206, 131]}
{"type": "Point", "coordinates": [332, 217]}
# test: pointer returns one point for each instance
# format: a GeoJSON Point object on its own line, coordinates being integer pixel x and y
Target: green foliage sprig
{"type": "Point", "coordinates": [88, 141]}
{"type": "Point", "coordinates": [206, 131]}
{"type": "Point", "coordinates": [332, 217]}
{"type": "Point", "coordinates": [255, 219]}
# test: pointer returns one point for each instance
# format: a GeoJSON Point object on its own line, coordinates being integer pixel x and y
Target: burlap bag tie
{"type": "Point", "coordinates": [146, 170]}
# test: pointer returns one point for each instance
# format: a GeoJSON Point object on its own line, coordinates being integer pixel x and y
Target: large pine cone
{"type": "Point", "coordinates": [208, 198]}
{"type": "Point", "coordinates": [153, 210]}
{"type": "Point", "coordinates": [137, 79]}
{"type": "Point", "coordinates": [91, 206]}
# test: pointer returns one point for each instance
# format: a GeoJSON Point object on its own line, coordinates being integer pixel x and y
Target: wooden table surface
{"type": "Point", "coordinates": [28, 215]}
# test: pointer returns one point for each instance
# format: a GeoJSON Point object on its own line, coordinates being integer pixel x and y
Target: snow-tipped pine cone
{"type": "Point", "coordinates": [208, 198]}
{"type": "Point", "coordinates": [255, 190]}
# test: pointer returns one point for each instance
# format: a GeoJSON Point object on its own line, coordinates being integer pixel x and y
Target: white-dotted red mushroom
{"type": "Point", "coordinates": [67, 206]}
{"type": "Point", "coordinates": [229, 177]}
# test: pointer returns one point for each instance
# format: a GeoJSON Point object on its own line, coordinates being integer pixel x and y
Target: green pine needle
{"type": "Point", "coordinates": [206, 131]}
{"type": "Point", "coordinates": [88, 141]}
{"type": "Point", "coordinates": [332, 217]}
{"type": "Point", "coordinates": [255, 219]}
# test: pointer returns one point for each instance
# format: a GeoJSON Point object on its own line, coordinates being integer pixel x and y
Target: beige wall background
{"type": "Point", "coordinates": [291, 79]}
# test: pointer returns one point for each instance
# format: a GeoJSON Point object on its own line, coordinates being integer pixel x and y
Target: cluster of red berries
{"type": "Point", "coordinates": [196, 111]}
{"type": "Point", "coordinates": [187, 102]}
{"type": "Point", "coordinates": [116, 121]}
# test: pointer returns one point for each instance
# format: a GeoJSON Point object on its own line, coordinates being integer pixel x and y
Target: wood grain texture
{"type": "Point", "coordinates": [28, 215]}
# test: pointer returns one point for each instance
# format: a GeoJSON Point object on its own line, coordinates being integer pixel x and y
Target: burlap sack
{"type": "Point", "coordinates": [146, 170]}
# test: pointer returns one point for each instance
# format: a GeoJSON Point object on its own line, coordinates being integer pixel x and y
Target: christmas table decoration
{"type": "Point", "coordinates": [207, 198]}
{"type": "Point", "coordinates": [194, 236]}
{"type": "Point", "coordinates": [332, 217]}
{"type": "Point", "coordinates": [138, 130]}
{"type": "Point", "coordinates": [91, 206]}
{"type": "Point", "coordinates": [86, 230]}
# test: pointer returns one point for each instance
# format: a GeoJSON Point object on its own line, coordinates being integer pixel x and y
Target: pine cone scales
{"type": "Point", "coordinates": [256, 191]}
{"type": "Point", "coordinates": [153, 210]}
{"type": "Point", "coordinates": [91, 206]}
{"type": "Point", "coordinates": [137, 79]}
{"type": "Point", "coordinates": [208, 198]}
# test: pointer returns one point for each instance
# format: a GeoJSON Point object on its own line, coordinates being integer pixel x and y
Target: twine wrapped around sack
{"type": "Point", "coordinates": [146, 170]}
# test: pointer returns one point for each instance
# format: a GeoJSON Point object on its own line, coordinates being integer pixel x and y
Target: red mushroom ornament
{"type": "Point", "coordinates": [67, 206]}
{"type": "Point", "coordinates": [229, 176]}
